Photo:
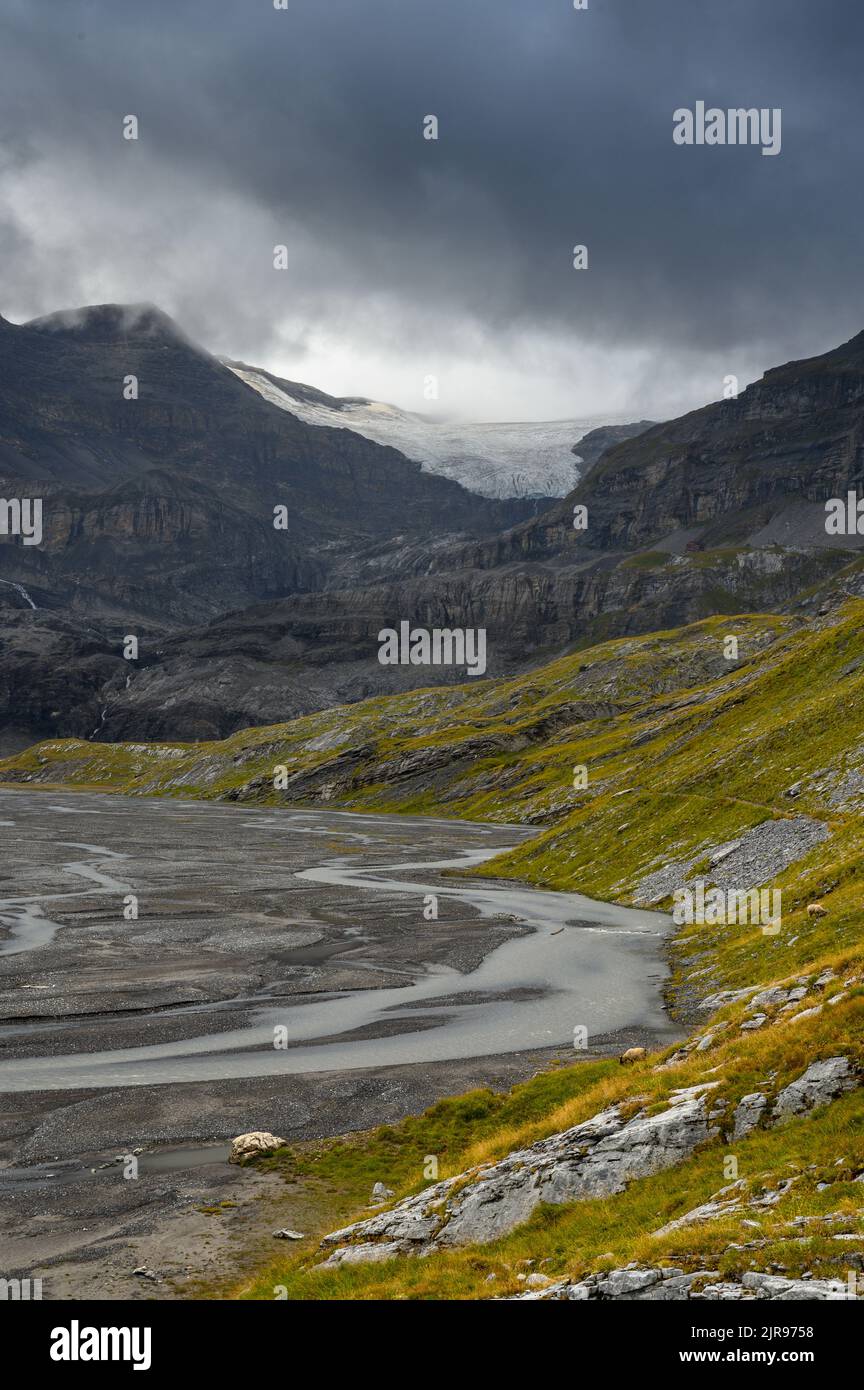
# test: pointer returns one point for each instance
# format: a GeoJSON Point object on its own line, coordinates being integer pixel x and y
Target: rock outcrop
{"type": "Point", "coordinates": [822, 1082]}
{"type": "Point", "coordinates": [665, 1284]}
{"type": "Point", "coordinates": [748, 1113]}
{"type": "Point", "coordinates": [593, 1159]}
{"type": "Point", "coordinates": [597, 1158]}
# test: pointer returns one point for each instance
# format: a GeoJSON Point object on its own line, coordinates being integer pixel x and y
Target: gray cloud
{"type": "Point", "coordinates": [409, 256]}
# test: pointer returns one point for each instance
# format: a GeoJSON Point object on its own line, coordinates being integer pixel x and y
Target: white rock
{"type": "Point", "coordinates": [257, 1141]}
{"type": "Point", "coordinates": [805, 1013]}
{"type": "Point", "coordinates": [708, 1211]}
{"type": "Point", "coordinates": [362, 1254]}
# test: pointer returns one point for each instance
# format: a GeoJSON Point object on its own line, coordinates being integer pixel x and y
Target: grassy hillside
{"type": "Point", "coordinates": [686, 750]}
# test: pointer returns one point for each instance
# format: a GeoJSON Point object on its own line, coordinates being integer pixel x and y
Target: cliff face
{"type": "Point", "coordinates": [291, 657]}
{"type": "Point", "coordinates": [54, 671]}
{"type": "Point", "coordinates": [593, 445]}
{"type": "Point", "coordinates": [724, 470]}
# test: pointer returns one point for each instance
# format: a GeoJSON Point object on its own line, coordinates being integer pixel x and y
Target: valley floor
{"type": "Point", "coordinates": [151, 953]}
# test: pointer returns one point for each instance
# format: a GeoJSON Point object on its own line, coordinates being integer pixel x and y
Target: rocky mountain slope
{"type": "Point", "coordinates": [163, 506]}
{"type": "Point", "coordinates": [158, 520]}
{"type": "Point", "coordinates": [160, 471]}
{"type": "Point", "coordinates": [730, 1165]}
{"type": "Point", "coordinates": [725, 475]}
{"type": "Point", "coordinates": [722, 511]}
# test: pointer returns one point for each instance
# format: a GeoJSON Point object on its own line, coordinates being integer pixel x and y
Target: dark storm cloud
{"type": "Point", "coordinates": [555, 128]}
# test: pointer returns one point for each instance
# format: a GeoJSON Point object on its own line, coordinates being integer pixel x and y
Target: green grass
{"type": "Point", "coordinates": [605, 1233]}
{"type": "Point", "coordinates": [647, 560]}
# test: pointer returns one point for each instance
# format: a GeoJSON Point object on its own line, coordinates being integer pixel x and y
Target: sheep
{"type": "Point", "coordinates": [816, 910]}
{"type": "Point", "coordinates": [633, 1054]}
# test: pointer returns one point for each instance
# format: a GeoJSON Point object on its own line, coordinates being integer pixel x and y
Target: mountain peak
{"type": "Point", "coordinates": [105, 323]}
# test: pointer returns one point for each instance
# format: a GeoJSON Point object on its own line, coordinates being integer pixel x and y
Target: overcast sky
{"type": "Point", "coordinates": [453, 258]}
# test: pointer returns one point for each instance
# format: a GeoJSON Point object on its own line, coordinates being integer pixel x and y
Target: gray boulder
{"type": "Point", "coordinates": [748, 1113]}
{"type": "Point", "coordinates": [822, 1082]}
